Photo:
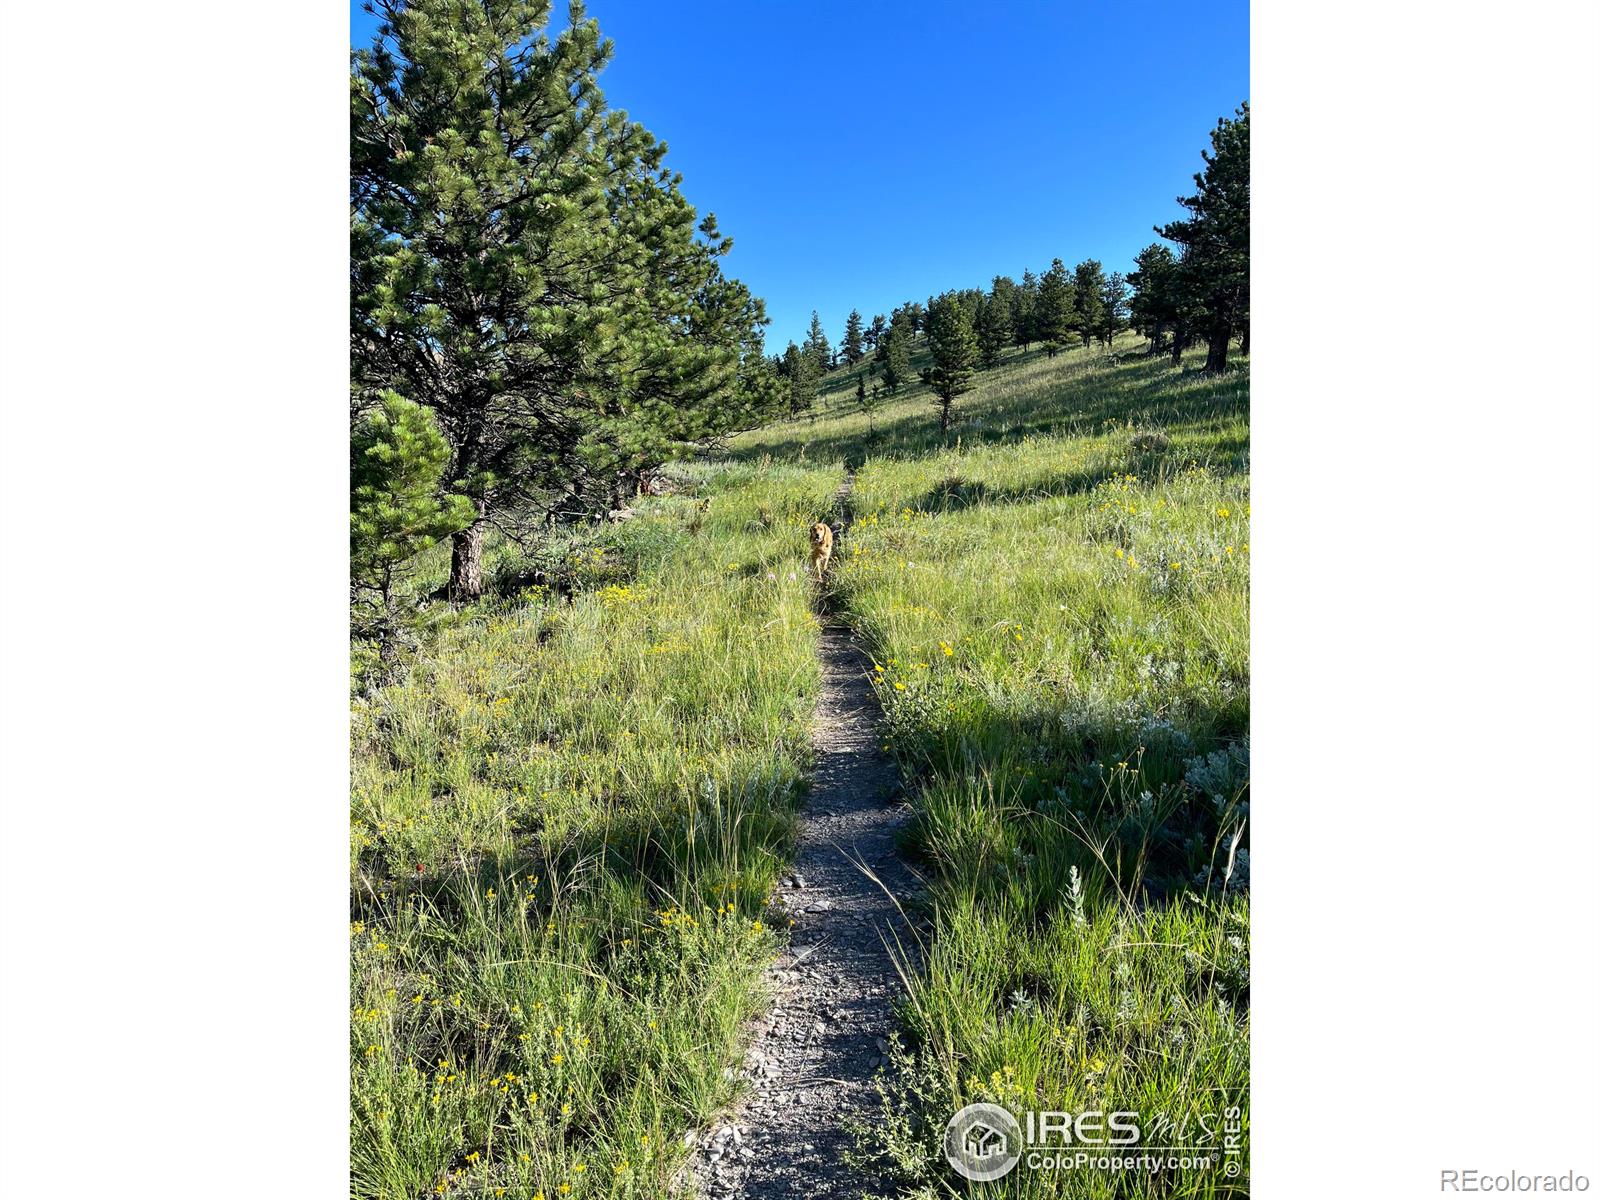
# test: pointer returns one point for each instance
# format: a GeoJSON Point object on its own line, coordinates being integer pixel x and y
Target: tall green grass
{"type": "Point", "coordinates": [565, 820]}
{"type": "Point", "coordinates": [568, 810]}
{"type": "Point", "coordinates": [1058, 601]}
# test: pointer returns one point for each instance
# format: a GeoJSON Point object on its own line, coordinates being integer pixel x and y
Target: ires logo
{"type": "Point", "coordinates": [984, 1141]}
{"type": "Point", "coordinates": [1091, 1128]}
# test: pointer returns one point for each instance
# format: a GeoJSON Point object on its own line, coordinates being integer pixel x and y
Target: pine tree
{"type": "Point", "coordinates": [894, 352]}
{"type": "Point", "coordinates": [817, 346]}
{"type": "Point", "coordinates": [1004, 289]}
{"type": "Point", "coordinates": [1024, 319]}
{"type": "Point", "coordinates": [524, 266]}
{"type": "Point", "coordinates": [1087, 281]}
{"type": "Point", "coordinates": [397, 506]}
{"type": "Point", "coordinates": [1153, 308]}
{"type": "Point", "coordinates": [852, 348]}
{"type": "Point", "coordinates": [1053, 311]}
{"type": "Point", "coordinates": [1113, 308]}
{"type": "Point", "coordinates": [993, 327]}
{"type": "Point", "coordinates": [1214, 269]}
{"type": "Point", "coordinates": [801, 373]}
{"type": "Point", "coordinates": [970, 299]}
{"type": "Point", "coordinates": [954, 350]}
{"type": "Point", "coordinates": [867, 401]}
{"type": "Point", "coordinates": [875, 331]}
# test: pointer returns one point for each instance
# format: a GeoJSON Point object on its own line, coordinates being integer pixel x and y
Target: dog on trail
{"type": "Point", "coordinates": [821, 548]}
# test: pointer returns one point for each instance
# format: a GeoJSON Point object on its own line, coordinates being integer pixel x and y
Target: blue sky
{"type": "Point", "coordinates": [864, 154]}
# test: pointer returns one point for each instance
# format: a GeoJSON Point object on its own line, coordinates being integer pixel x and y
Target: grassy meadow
{"type": "Point", "coordinates": [566, 816]}
{"type": "Point", "coordinates": [1058, 605]}
{"type": "Point", "coordinates": [571, 802]}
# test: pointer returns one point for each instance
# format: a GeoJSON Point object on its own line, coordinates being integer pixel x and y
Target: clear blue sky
{"type": "Point", "coordinates": [864, 154]}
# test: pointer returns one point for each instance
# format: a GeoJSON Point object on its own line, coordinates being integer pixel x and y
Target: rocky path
{"type": "Point", "coordinates": [813, 1055]}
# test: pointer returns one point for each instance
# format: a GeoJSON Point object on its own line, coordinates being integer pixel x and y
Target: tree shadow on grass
{"type": "Point", "coordinates": [955, 493]}
{"type": "Point", "coordinates": [1010, 800]}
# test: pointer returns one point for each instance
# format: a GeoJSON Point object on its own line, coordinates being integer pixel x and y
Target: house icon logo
{"type": "Point", "coordinates": [982, 1142]}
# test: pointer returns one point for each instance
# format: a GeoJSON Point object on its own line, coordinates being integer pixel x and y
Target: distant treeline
{"type": "Point", "coordinates": [1200, 292]}
{"type": "Point", "coordinates": [539, 319]}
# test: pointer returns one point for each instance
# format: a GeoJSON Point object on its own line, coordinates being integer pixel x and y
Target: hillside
{"type": "Point", "coordinates": [572, 815]}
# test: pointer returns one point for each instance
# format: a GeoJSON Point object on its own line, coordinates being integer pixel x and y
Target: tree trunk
{"type": "Point", "coordinates": [388, 644]}
{"type": "Point", "coordinates": [1217, 349]}
{"type": "Point", "coordinates": [466, 559]}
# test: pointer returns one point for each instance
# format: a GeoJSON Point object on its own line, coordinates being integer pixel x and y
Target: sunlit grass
{"type": "Point", "coordinates": [1058, 601]}
{"type": "Point", "coordinates": [565, 822]}
{"type": "Point", "coordinates": [570, 806]}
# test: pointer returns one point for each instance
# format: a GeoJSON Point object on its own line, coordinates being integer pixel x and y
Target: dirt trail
{"type": "Point", "coordinates": [815, 1051]}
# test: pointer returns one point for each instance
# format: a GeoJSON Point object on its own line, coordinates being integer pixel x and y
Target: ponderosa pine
{"type": "Point", "coordinates": [1154, 308]}
{"type": "Point", "coordinates": [894, 352]}
{"type": "Point", "coordinates": [993, 328]}
{"type": "Point", "coordinates": [955, 351]}
{"type": "Point", "coordinates": [1024, 320]}
{"type": "Point", "coordinates": [1053, 309]}
{"type": "Point", "coordinates": [1088, 278]}
{"type": "Point", "coordinates": [852, 348]}
{"type": "Point", "coordinates": [1214, 270]}
{"type": "Point", "coordinates": [1113, 308]}
{"type": "Point", "coordinates": [398, 506]}
{"type": "Point", "coordinates": [875, 331]}
{"type": "Point", "coordinates": [524, 266]}
{"type": "Point", "coordinates": [801, 374]}
{"type": "Point", "coordinates": [816, 345]}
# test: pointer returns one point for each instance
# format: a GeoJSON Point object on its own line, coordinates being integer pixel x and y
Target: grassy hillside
{"type": "Point", "coordinates": [570, 806]}
{"type": "Point", "coordinates": [565, 821]}
{"type": "Point", "coordinates": [1059, 605]}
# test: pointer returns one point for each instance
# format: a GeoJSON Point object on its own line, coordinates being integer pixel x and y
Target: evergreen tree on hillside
{"type": "Point", "coordinates": [801, 373]}
{"type": "Point", "coordinates": [817, 346]}
{"type": "Point", "coordinates": [867, 402]}
{"type": "Point", "coordinates": [1154, 308]}
{"type": "Point", "coordinates": [993, 328]}
{"type": "Point", "coordinates": [894, 353]}
{"type": "Point", "coordinates": [918, 316]}
{"type": "Point", "coordinates": [1004, 289]}
{"type": "Point", "coordinates": [1024, 320]}
{"type": "Point", "coordinates": [852, 348]}
{"type": "Point", "coordinates": [875, 331]}
{"type": "Point", "coordinates": [954, 350]}
{"type": "Point", "coordinates": [1053, 310]}
{"type": "Point", "coordinates": [397, 505]}
{"type": "Point", "coordinates": [1088, 279]}
{"type": "Point", "coordinates": [1113, 308]}
{"type": "Point", "coordinates": [524, 266]}
{"type": "Point", "coordinates": [1214, 269]}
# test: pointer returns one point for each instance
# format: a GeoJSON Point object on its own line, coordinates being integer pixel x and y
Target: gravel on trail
{"type": "Point", "coordinates": [815, 1051]}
